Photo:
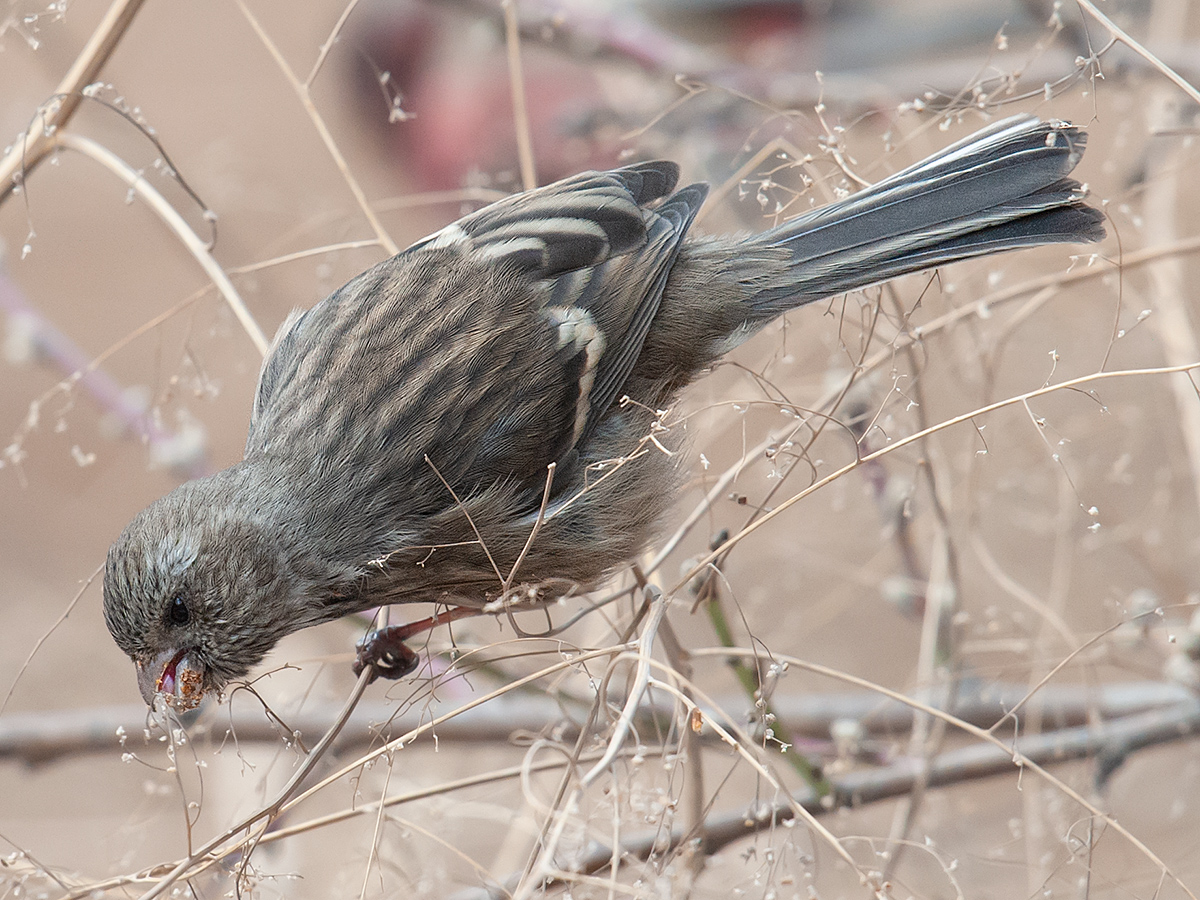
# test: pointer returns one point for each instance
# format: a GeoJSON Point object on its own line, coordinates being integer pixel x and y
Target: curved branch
{"type": "Point", "coordinates": [26, 154]}
{"type": "Point", "coordinates": [173, 220]}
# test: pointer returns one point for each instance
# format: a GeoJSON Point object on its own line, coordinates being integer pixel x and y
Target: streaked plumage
{"type": "Point", "coordinates": [425, 399]}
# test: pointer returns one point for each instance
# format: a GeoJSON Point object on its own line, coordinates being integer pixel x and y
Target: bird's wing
{"type": "Point", "coordinates": [603, 250]}
{"type": "Point", "coordinates": [578, 270]}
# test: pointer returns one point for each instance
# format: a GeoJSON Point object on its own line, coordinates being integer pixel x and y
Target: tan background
{"type": "Point", "coordinates": [811, 585]}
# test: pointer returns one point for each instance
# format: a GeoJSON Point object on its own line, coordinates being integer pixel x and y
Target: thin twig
{"type": "Point", "coordinates": [1015, 757]}
{"type": "Point", "coordinates": [658, 607]}
{"type": "Point", "coordinates": [41, 136]}
{"type": "Point", "coordinates": [198, 248]}
{"type": "Point", "coordinates": [470, 521]}
{"type": "Point", "coordinates": [1173, 298]}
{"type": "Point", "coordinates": [49, 631]}
{"type": "Point", "coordinates": [1070, 384]}
{"type": "Point", "coordinates": [306, 101]}
{"type": "Point", "coordinates": [537, 527]}
{"type": "Point", "coordinates": [859, 789]}
{"type": "Point", "coordinates": [516, 77]}
{"type": "Point", "coordinates": [347, 9]}
{"type": "Point", "coordinates": [544, 866]}
{"type": "Point", "coordinates": [1129, 41]}
{"type": "Point", "coordinates": [273, 809]}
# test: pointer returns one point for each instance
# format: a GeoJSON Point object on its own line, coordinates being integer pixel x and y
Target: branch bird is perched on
{"type": "Point", "coordinates": [404, 428]}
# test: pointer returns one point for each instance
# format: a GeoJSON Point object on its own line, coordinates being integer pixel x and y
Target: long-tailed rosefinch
{"type": "Point", "coordinates": [404, 428]}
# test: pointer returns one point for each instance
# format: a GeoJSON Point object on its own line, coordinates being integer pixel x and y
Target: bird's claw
{"type": "Point", "coordinates": [386, 653]}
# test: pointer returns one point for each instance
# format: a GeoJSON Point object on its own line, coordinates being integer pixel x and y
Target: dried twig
{"type": "Point", "coordinates": [304, 95]}
{"type": "Point", "coordinates": [198, 248]}
{"type": "Point", "coordinates": [40, 138]}
{"type": "Point", "coordinates": [1070, 384]}
{"type": "Point", "coordinates": [512, 38]}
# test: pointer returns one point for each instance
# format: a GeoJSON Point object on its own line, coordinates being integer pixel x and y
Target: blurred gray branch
{"type": "Point", "coordinates": [1109, 744]}
{"type": "Point", "coordinates": [42, 737]}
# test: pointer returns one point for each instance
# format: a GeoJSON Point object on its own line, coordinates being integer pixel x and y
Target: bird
{"type": "Point", "coordinates": [467, 422]}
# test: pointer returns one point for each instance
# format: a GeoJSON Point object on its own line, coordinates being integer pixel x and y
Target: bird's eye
{"type": "Point", "coordinates": [177, 612]}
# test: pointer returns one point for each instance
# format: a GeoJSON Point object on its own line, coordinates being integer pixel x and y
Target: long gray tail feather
{"type": "Point", "coordinates": [1003, 188]}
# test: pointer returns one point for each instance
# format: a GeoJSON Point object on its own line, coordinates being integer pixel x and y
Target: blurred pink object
{"type": "Point", "coordinates": [455, 108]}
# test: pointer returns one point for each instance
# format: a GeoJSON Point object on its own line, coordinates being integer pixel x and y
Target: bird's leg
{"type": "Point", "coordinates": [385, 651]}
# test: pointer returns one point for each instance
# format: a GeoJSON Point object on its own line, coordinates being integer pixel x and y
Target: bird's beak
{"type": "Point", "coordinates": [176, 675]}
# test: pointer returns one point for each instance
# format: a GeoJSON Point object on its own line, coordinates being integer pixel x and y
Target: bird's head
{"type": "Point", "coordinates": [196, 592]}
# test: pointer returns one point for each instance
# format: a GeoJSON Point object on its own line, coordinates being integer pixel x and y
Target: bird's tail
{"type": "Point", "coordinates": [1003, 188]}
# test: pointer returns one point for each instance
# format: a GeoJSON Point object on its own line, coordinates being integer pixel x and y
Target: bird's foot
{"type": "Point", "coordinates": [386, 653]}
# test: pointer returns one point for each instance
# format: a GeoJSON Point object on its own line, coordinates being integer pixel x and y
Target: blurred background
{"type": "Point", "coordinates": [1050, 544]}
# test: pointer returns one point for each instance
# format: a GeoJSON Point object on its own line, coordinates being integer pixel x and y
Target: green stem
{"type": "Point", "coordinates": [748, 677]}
